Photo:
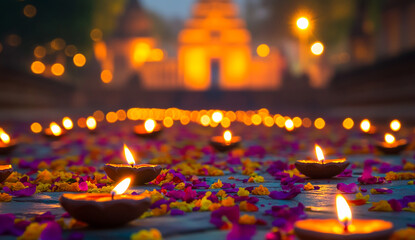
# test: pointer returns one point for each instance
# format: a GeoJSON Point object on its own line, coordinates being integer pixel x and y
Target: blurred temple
{"type": "Point", "coordinates": [214, 52]}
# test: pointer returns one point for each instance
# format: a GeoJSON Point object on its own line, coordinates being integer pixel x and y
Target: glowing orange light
{"type": "Point", "coordinates": [280, 121]}
{"type": "Point", "coordinates": [156, 55]}
{"type": "Point", "coordinates": [226, 122]}
{"type": "Point", "coordinates": [395, 125]}
{"type": "Point", "coordinates": [111, 117]}
{"type": "Point", "coordinates": [319, 123]}
{"type": "Point", "coordinates": [317, 48]}
{"type": "Point", "coordinates": [389, 138]}
{"type": "Point", "coordinates": [79, 60]}
{"type": "Point", "coordinates": [29, 11]}
{"type": "Point", "coordinates": [256, 119]}
{"type": "Point", "coordinates": [205, 120]}
{"type": "Point", "coordinates": [67, 123]}
{"type": "Point", "coordinates": [302, 23]}
{"type": "Point", "coordinates": [348, 123]}
{"type": "Point", "coordinates": [344, 213]}
{"type": "Point", "coordinates": [227, 136]}
{"type": "Point", "coordinates": [121, 187]}
{"type": "Point", "coordinates": [57, 69]}
{"type": "Point", "coordinates": [37, 67]}
{"type": "Point", "coordinates": [128, 155]}
{"type": "Point", "coordinates": [70, 50]}
{"type": "Point", "coordinates": [81, 122]}
{"type": "Point", "coordinates": [4, 137]}
{"type": "Point", "coordinates": [319, 153]}
{"type": "Point", "coordinates": [217, 116]}
{"type": "Point", "coordinates": [36, 127]}
{"type": "Point", "coordinates": [141, 53]}
{"type": "Point", "coordinates": [96, 34]}
{"type": "Point", "coordinates": [307, 122]}
{"type": "Point", "coordinates": [56, 130]}
{"type": "Point", "coordinates": [263, 50]}
{"type": "Point", "coordinates": [91, 123]}
{"type": "Point", "coordinates": [289, 124]}
{"type": "Point", "coordinates": [57, 44]}
{"type": "Point", "coordinates": [99, 115]}
{"type": "Point", "coordinates": [39, 51]}
{"type": "Point", "coordinates": [149, 125]}
{"type": "Point", "coordinates": [365, 125]}
{"type": "Point", "coordinates": [168, 122]}
{"type": "Point", "coordinates": [106, 76]}
{"type": "Point", "coordinates": [268, 121]}
{"type": "Point", "coordinates": [297, 122]}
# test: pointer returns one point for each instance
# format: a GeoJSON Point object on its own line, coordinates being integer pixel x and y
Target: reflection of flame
{"type": "Point", "coordinates": [344, 213]}
{"type": "Point", "coordinates": [319, 153]}
{"type": "Point", "coordinates": [289, 124]}
{"type": "Point", "coordinates": [122, 186]}
{"type": "Point", "coordinates": [128, 155]}
{"type": "Point", "coordinates": [389, 138]}
{"type": "Point", "coordinates": [56, 130]}
{"type": "Point", "coordinates": [67, 123]}
{"type": "Point", "coordinates": [4, 137]}
{"type": "Point", "coordinates": [149, 125]}
{"type": "Point", "coordinates": [91, 123]}
{"type": "Point", "coordinates": [365, 125]}
{"type": "Point", "coordinates": [227, 135]}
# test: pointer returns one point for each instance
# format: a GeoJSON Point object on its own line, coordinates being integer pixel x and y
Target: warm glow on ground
{"type": "Point", "coordinates": [57, 69]}
{"type": "Point", "coordinates": [317, 48]}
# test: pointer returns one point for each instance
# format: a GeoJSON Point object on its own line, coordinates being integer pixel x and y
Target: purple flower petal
{"type": "Point", "coordinates": [21, 193]}
{"type": "Point", "coordinates": [232, 213]}
{"type": "Point", "coordinates": [6, 222]}
{"type": "Point", "coordinates": [281, 195]}
{"type": "Point", "coordinates": [52, 231]}
{"type": "Point", "coordinates": [395, 204]}
{"type": "Point", "coordinates": [241, 232]}
{"type": "Point", "coordinates": [348, 188]}
{"type": "Point", "coordinates": [45, 217]}
{"type": "Point", "coordinates": [175, 212]}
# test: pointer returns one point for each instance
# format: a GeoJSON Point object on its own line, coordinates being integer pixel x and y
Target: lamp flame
{"type": "Point", "coordinates": [227, 135]}
{"type": "Point", "coordinates": [344, 213]}
{"type": "Point", "coordinates": [289, 125]}
{"type": "Point", "coordinates": [121, 187]}
{"type": "Point", "coordinates": [67, 123]}
{"type": "Point", "coordinates": [149, 125]}
{"type": "Point", "coordinates": [56, 130]}
{"type": "Point", "coordinates": [365, 125]}
{"type": "Point", "coordinates": [4, 137]}
{"type": "Point", "coordinates": [91, 123]}
{"type": "Point", "coordinates": [395, 125]}
{"type": "Point", "coordinates": [319, 153]}
{"type": "Point", "coordinates": [128, 155]}
{"type": "Point", "coordinates": [389, 138]}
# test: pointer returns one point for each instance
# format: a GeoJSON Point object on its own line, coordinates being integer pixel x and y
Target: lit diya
{"type": "Point", "coordinates": [150, 129]}
{"type": "Point", "coordinates": [139, 173]}
{"type": "Point", "coordinates": [321, 168]}
{"type": "Point", "coordinates": [391, 145]}
{"type": "Point", "coordinates": [54, 131]}
{"type": "Point", "coordinates": [91, 124]}
{"type": "Point", "coordinates": [226, 142]}
{"type": "Point", "coordinates": [367, 127]}
{"type": "Point", "coordinates": [343, 228]}
{"type": "Point", "coordinates": [5, 171]}
{"type": "Point", "coordinates": [106, 210]}
{"type": "Point", "coordinates": [6, 143]}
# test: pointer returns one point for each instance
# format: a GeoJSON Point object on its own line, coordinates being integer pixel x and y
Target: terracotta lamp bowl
{"type": "Point", "coordinates": [315, 169]}
{"type": "Point", "coordinates": [394, 148]}
{"type": "Point", "coordinates": [220, 145]}
{"type": "Point", "coordinates": [8, 148]}
{"type": "Point", "coordinates": [139, 174]}
{"type": "Point", "coordinates": [98, 210]}
{"type": "Point", "coordinates": [140, 131]}
{"type": "Point", "coordinates": [48, 133]}
{"type": "Point", "coordinates": [5, 171]}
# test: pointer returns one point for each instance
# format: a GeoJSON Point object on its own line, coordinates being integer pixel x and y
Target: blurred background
{"type": "Point", "coordinates": [338, 58]}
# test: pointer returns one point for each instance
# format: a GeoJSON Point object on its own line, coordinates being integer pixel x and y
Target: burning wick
{"type": "Point", "coordinates": [129, 156]}
{"type": "Point", "coordinates": [343, 212]}
{"type": "Point", "coordinates": [227, 136]}
{"type": "Point", "coordinates": [319, 153]}
{"type": "Point", "coordinates": [120, 188]}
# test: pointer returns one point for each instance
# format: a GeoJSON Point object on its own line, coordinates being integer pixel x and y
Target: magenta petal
{"type": "Point", "coordinates": [175, 212]}
{"type": "Point", "coordinates": [231, 213]}
{"type": "Point", "coordinates": [6, 222]}
{"type": "Point", "coordinates": [396, 205]}
{"type": "Point", "coordinates": [83, 186]}
{"type": "Point", "coordinates": [348, 188]}
{"type": "Point", "coordinates": [22, 193]}
{"type": "Point", "coordinates": [241, 232]}
{"type": "Point", "coordinates": [52, 231]}
{"type": "Point", "coordinates": [281, 195]}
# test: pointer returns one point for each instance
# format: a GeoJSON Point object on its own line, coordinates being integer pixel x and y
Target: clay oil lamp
{"type": "Point", "coordinates": [150, 129]}
{"type": "Point", "coordinates": [6, 143]}
{"type": "Point", "coordinates": [321, 168]}
{"type": "Point", "coordinates": [139, 173]}
{"type": "Point", "coordinates": [54, 131]}
{"type": "Point", "coordinates": [344, 228]}
{"type": "Point", "coordinates": [226, 142]}
{"type": "Point", "coordinates": [391, 145]}
{"type": "Point", "coordinates": [106, 210]}
{"type": "Point", "coordinates": [367, 127]}
{"type": "Point", "coordinates": [5, 171]}
{"type": "Point", "coordinates": [91, 124]}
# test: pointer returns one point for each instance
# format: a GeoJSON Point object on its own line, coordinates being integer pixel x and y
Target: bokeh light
{"type": "Point", "coordinates": [57, 69]}
{"type": "Point", "coordinates": [317, 48]}
{"type": "Point", "coordinates": [348, 123]}
{"type": "Point", "coordinates": [319, 123]}
{"type": "Point", "coordinates": [29, 11]}
{"type": "Point", "coordinates": [106, 76]}
{"type": "Point", "coordinates": [302, 23]}
{"type": "Point", "coordinates": [263, 50]}
{"type": "Point", "coordinates": [37, 67]}
{"type": "Point", "coordinates": [79, 60]}
{"type": "Point", "coordinates": [36, 127]}
{"type": "Point", "coordinates": [395, 125]}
